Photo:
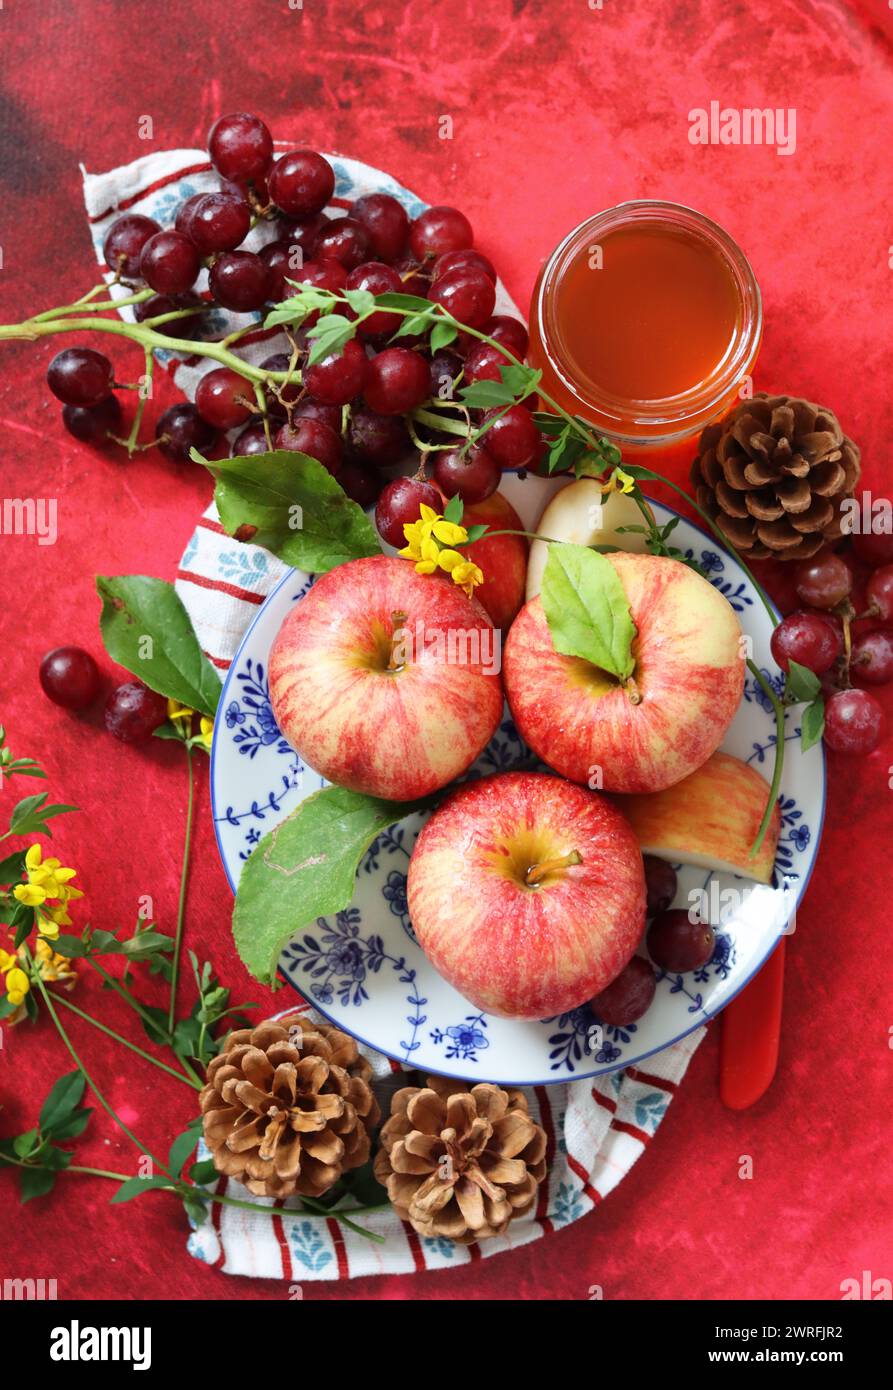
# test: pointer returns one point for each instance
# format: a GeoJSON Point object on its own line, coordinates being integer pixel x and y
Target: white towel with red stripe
{"type": "Point", "coordinates": [596, 1129]}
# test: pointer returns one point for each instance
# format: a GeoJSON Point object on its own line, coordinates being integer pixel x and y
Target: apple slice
{"type": "Point", "coordinates": [710, 819]}
{"type": "Point", "coordinates": [583, 515]}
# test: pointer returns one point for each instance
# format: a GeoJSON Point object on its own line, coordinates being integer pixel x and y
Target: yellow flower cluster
{"type": "Point", "coordinates": [53, 968]}
{"type": "Point", "coordinates": [177, 711]}
{"type": "Point", "coordinates": [49, 890]}
{"type": "Point", "coordinates": [430, 544]}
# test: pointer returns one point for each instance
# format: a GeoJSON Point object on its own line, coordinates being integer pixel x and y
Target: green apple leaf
{"type": "Point", "coordinates": [291, 505]}
{"type": "Point", "coordinates": [812, 725]}
{"type": "Point", "coordinates": [146, 629]}
{"type": "Point", "coordinates": [306, 868]}
{"type": "Point", "coordinates": [587, 609]}
{"type": "Point", "coordinates": [802, 684]}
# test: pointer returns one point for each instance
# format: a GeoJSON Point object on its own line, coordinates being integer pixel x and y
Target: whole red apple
{"type": "Point", "coordinates": [386, 681]}
{"type": "Point", "coordinates": [527, 893]}
{"type": "Point", "coordinates": [503, 559]}
{"type": "Point", "coordinates": [688, 682]}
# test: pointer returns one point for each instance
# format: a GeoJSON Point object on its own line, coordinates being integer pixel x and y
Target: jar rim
{"type": "Point", "coordinates": [669, 416]}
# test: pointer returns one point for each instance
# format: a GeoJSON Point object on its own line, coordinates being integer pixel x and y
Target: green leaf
{"type": "Point", "coordinates": [521, 381]}
{"type": "Point", "coordinates": [35, 1182]}
{"type": "Point", "coordinates": [330, 335]}
{"type": "Point", "coordinates": [454, 509]}
{"type": "Point", "coordinates": [26, 1144]}
{"type": "Point", "coordinates": [136, 607]}
{"type": "Point", "coordinates": [169, 731]}
{"type": "Point", "coordinates": [146, 943]}
{"type": "Point", "coordinates": [475, 532]}
{"type": "Point", "coordinates": [482, 395]}
{"type": "Point", "coordinates": [294, 508]}
{"type": "Point", "coordinates": [180, 1150]}
{"type": "Point", "coordinates": [29, 817]}
{"type": "Point", "coordinates": [802, 684]}
{"type": "Point", "coordinates": [73, 1126]}
{"type": "Point", "coordinates": [196, 1207]}
{"type": "Point", "coordinates": [203, 1171]}
{"type": "Point", "coordinates": [587, 609]}
{"type": "Point", "coordinates": [135, 1187]}
{"type": "Point", "coordinates": [305, 868]}
{"type": "Point", "coordinates": [63, 1099]}
{"type": "Point", "coordinates": [12, 867]}
{"type": "Point", "coordinates": [69, 946]}
{"type": "Point", "coordinates": [395, 300]}
{"type": "Point", "coordinates": [442, 334]}
{"type": "Point", "coordinates": [812, 725]}
{"type": "Point", "coordinates": [154, 1021]}
{"type": "Point", "coordinates": [361, 301]}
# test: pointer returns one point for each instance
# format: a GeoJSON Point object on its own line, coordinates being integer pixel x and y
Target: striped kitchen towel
{"type": "Point", "coordinates": [596, 1129]}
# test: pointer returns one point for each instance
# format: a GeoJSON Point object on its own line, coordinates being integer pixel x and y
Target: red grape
{"type": "Point", "coordinates": [361, 482]}
{"type": "Point", "coordinates": [182, 428]}
{"type": "Point", "coordinates": [377, 278]}
{"type": "Point", "coordinates": [438, 230]}
{"type": "Point", "coordinates": [398, 382]}
{"type": "Point", "coordinates": [240, 146]}
{"type": "Point", "coordinates": [124, 241]}
{"type": "Point", "coordinates": [627, 997]}
{"type": "Point", "coordinates": [223, 398]}
{"type": "Point", "coordinates": [872, 657]}
{"type": "Point", "coordinates": [466, 294]}
{"type": "Point", "coordinates": [386, 222]}
{"type": "Point", "coordinates": [169, 262]}
{"type": "Point", "coordinates": [510, 332]}
{"type": "Point", "coordinates": [310, 409]}
{"type": "Point", "coordinates": [513, 439]}
{"type": "Point", "coordinates": [874, 549]}
{"type": "Point", "coordinates": [854, 722]}
{"type": "Point", "coordinates": [660, 884]}
{"type": "Point", "coordinates": [302, 231]}
{"type": "Point", "coordinates": [287, 392]}
{"type": "Point", "coordinates": [308, 436]}
{"type": "Point", "coordinates": [240, 280]}
{"type": "Point", "coordinates": [183, 218]}
{"type": "Point", "coordinates": [676, 943]}
{"type": "Point", "coordinates": [218, 222]}
{"type": "Point", "coordinates": [343, 239]}
{"type": "Point", "coordinates": [377, 439]}
{"type": "Point", "coordinates": [413, 277]}
{"type": "Point", "coordinates": [399, 505]}
{"type": "Point", "coordinates": [80, 376]}
{"type": "Point", "coordinates": [70, 677]}
{"type": "Point", "coordinates": [252, 440]}
{"type": "Point", "coordinates": [285, 260]}
{"type": "Point", "coordinates": [808, 638]}
{"type": "Point", "coordinates": [133, 712]}
{"type": "Point", "coordinates": [340, 376]}
{"type": "Point", "coordinates": [823, 581]}
{"type": "Point", "coordinates": [484, 363]}
{"type": "Point", "coordinates": [167, 304]}
{"type": "Point", "coordinates": [879, 593]}
{"type": "Point", "coordinates": [467, 259]}
{"type": "Point", "coordinates": [444, 371]}
{"type": "Point", "coordinates": [473, 475]}
{"type": "Point", "coordinates": [301, 183]}
{"type": "Point", "coordinates": [92, 424]}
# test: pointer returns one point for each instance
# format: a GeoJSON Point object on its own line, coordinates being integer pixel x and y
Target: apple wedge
{"type": "Point", "coordinates": [710, 819]}
{"type": "Point", "coordinates": [583, 515]}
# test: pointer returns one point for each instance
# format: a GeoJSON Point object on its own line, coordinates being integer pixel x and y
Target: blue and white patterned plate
{"type": "Point", "coordinates": [363, 967]}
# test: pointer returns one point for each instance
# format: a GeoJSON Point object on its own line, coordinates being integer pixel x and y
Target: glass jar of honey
{"type": "Point", "coordinates": [646, 321]}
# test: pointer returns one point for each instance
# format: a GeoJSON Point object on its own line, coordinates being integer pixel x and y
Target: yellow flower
{"type": "Point", "coordinates": [206, 727]}
{"type": "Point", "coordinates": [430, 544]}
{"type": "Point", "coordinates": [48, 882]}
{"type": "Point", "coordinates": [427, 557]}
{"type": "Point", "coordinates": [53, 967]}
{"type": "Point", "coordinates": [177, 711]}
{"type": "Point", "coordinates": [467, 575]}
{"type": "Point", "coordinates": [31, 894]}
{"type": "Point", "coordinates": [17, 985]}
{"type": "Point", "coordinates": [622, 480]}
{"type": "Point", "coordinates": [448, 533]}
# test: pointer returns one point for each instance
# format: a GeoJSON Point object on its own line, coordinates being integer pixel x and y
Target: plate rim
{"type": "Point", "coordinates": [706, 1015]}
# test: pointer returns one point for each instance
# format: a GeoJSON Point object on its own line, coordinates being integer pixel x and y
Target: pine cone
{"type": "Point", "coordinates": [773, 475]}
{"type": "Point", "coordinates": [460, 1163]}
{"type": "Point", "coordinates": [288, 1111]}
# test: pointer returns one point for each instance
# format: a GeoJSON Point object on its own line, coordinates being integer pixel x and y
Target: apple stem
{"type": "Point", "coordinates": [536, 872]}
{"type": "Point", "coordinates": [632, 690]}
{"type": "Point", "coordinates": [399, 620]}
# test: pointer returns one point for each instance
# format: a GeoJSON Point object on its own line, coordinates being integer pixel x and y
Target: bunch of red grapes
{"type": "Point", "coordinates": [814, 636]}
{"type": "Point", "coordinates": [375, 247]}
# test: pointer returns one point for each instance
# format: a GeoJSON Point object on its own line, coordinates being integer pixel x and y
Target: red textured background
{"type": "Point", "coordinates": [558, 111]}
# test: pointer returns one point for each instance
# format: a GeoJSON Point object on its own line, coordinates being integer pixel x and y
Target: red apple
{"type": "Point", "coordinates": [386, 681]}
{"type": "Point", "coordinates": [503, 559]}
{"type": "Point", "coordinates": [527, 893]}
{"type": "Point", "coordinates": [689, 678]}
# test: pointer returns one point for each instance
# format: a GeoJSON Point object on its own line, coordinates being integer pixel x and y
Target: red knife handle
{"type": "Point", "coordinates": [751, 1029]}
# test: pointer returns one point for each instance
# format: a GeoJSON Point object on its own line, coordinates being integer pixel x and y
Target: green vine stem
{"type": "Point", "coordinates": [181, 903]}
{"type": "Point", "coordinates": [125, 1042]}
{"type": "Point", "coordinates": [775, 784]}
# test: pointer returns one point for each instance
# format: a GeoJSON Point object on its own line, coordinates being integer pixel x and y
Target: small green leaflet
{"type": "Point", "coordinates": [587, 609]}
{"type": "Point", "coordinates": [396, 300]}
{"type": "Point", "coordinates": [292, 506]}
{"type": "Point", "coordinates": [61, 1102]}
{"type": "Point", "coordinates": [329, 335]}
{"type": "Point", "coordinates": [146, 629]}
{"type": "Point", "coordinates": [812, 725]}
{"type": "Point", "coordinates": [454, 509]}
{"type": "Point", "coordinates": [802, 684]}
{"type": "Point", "coordinates": [484, 395]}
{"type": "Point", "coordinates": [31, 814]}
{"type": "Point", "coordinates": [305, 868]}
{"type": "Point", "coordinates": [135, 1187]}
{"type": "Point", "coordinates": [442, 334]}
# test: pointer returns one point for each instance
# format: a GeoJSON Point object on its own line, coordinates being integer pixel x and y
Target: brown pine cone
{"type": "Point", "coordinates": [288, 1111]}
{"type": "Point", "coordinates": [460, 1163]}
{"type": "Point", "coordinates": [773, 475]}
